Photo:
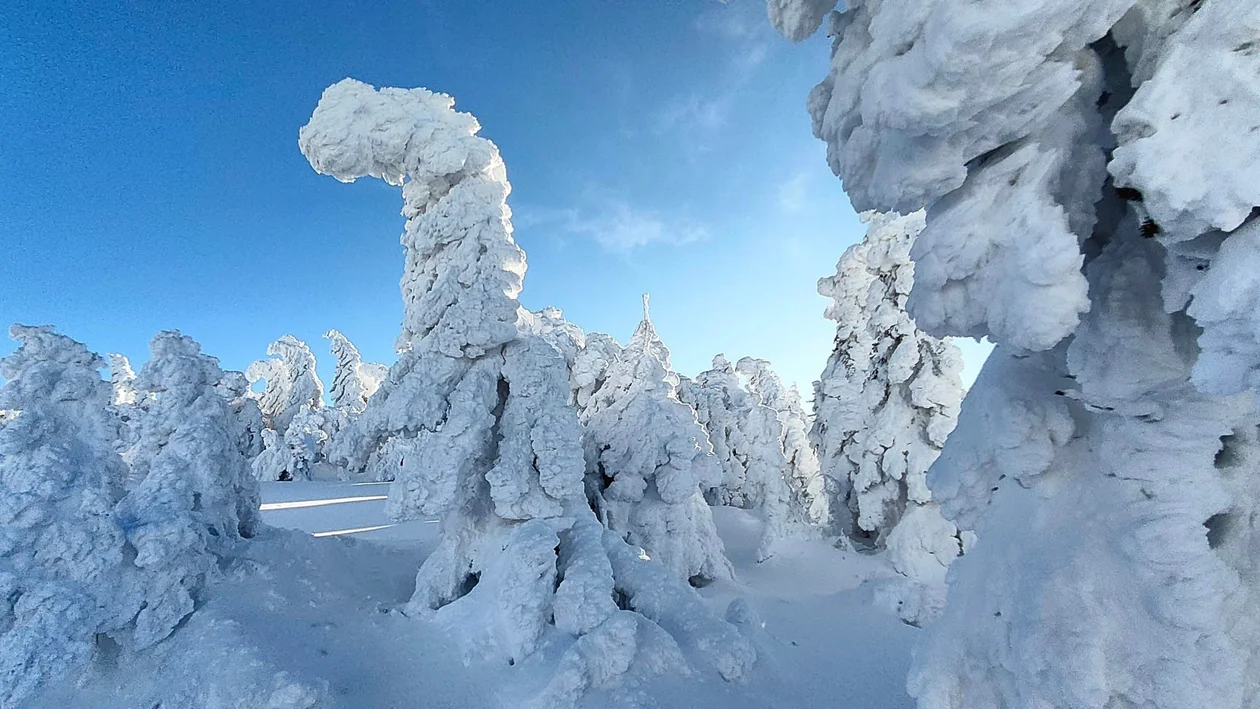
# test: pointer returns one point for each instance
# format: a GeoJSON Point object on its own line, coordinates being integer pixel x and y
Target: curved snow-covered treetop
{"type": "Point", "coordinates": [474, 425]}
{"type": "Point", "coordinates": [463, 271]}
{"type": "Point", "coordinates": [291, 380]}
{"type": "Point", "coordinates": [354, 381]}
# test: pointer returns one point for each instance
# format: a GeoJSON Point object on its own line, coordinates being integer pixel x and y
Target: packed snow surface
{"type": "Point", "coordinates": [308, 615]}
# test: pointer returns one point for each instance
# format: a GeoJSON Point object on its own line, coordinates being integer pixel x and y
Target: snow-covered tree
{"type": "Point", "coordinates": [354, 381]}
{"type": "Point", "coordinates": [293, 393]}
{"type": "Point", "coordinates": [890, 393]}
{"type": "Point", "coordinates": [126, 403]}
{"type": "Point", "coordinates": [123, 379]}
{"type": "Point", "coordinates": [549, 323]}
{"type": "Point", "coordinates": [804, 474]}
{"type": "Point", "coordinates": [590, 367]}
{"type": "Point", "coordinates": [651, 458]}
{"type": "Point", "coordinates": [234, 388]}
{"type": "Point", "coordinates": [193, 498]}
{"type": "Point", "coordinates": [722, 420]}
{"type": "Point", "coordinates": [473, 421]}
{"type": "Point", "coordinates": [291, 381]}
{"type": "Point", "coordinates": [1090, 175]}
{"type": "Point", "coordinates": [62, 556]}
{"type": "Point", "coordinates": [747, 440]}
{"type": "Point", "coordinates": [308, 436]}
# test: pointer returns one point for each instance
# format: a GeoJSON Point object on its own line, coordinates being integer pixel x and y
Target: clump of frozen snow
{"type": "Point", "coordinates": [798, 19]}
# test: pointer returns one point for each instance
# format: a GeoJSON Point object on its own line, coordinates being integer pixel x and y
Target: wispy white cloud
{"type": "Point", "coordinates": [793, 193]}
{"type": "Point", "coordinates": [696, 118]}
{"type": "Point", "coordinates": [745, 38]}
{"type": "Point", "coordinates": [616, 226]}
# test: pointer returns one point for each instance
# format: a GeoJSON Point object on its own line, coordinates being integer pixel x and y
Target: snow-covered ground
{"type": "Point", "coordinates": [309, 611]}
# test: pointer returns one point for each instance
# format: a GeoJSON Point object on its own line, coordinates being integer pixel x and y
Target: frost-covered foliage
{"type": "Point", "coordinates": [567, 338]}
{"type": "Point", "coordinates": [275, 462]}
{"type": "Point", "coordinates": [722, 408]}
{"type": "Point", "coordinates": [293, 397]}
{"type": "Point", "coordinates": [473, 422]}
{"type": "Point", "coordinates": [1089, 172]}
{"type": "Point", "coordinates": [308, 435]}
{"type": "Point", "coordinates": [747, 439]}
{"type": "Point", "coordinates": [590, 367]}
{"type": "Point", "coordinates": [123, 379]}
{"type": "Point", "coordinates": [354, 381]}
{"type": "Point", "coordinates": [234, 388]}
{"type": "Point", "coordinates": [127, 404]}
{"type": "Point", "coordinates": [88, 547]}
{"type": "Point", "coordinates": [291, 382]}
{"type": "Point", "coordinates": [650, 458]}
{"type": "Point", "coordinates": [193, 497]}
{"type": "Point", "coordinates": [294, 454]}
{"type": "Point", "coordinates": [804, 474]}
{"type": "Point", "coordinates": [889, 394]}
{"type": "Point", "coordinates": [63, 568]}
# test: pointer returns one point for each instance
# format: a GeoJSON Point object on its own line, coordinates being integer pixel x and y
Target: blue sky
{"type": "Point", "coordinates": [151, 177]}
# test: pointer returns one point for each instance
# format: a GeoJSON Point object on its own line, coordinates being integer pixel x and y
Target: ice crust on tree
{"type": "Point", "coordinates": [354, 381]}
{"type": "Point", "coordinates": [651, 459]}
{"type": "Point", "coordinates": [889, 394]}
{"type": "Point", "coordinates": [804, 476]}
{"type": "Point", "coordinates": [473, 423]}
{"type": "Point", "coordinates": [1089, 174]}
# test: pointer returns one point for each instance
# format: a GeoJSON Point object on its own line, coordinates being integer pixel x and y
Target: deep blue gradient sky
{"type": "Point", "coordinates": [151, 179]}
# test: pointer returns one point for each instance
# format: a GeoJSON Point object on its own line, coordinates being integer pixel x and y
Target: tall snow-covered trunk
{"type": "Point", "coordinates": [473, 422]}
{"type": "Point", "coordinates": [1090, 171]}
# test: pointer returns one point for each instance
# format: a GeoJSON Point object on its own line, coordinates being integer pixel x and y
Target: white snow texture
{"type": "Point", "coordinates": [1089, 170]}
{"type": "Point", "coordinates": [89, 547]}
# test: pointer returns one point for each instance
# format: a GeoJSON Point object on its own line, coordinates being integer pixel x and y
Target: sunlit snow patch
{"type": "Point", "coordinates": [299, 504]}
